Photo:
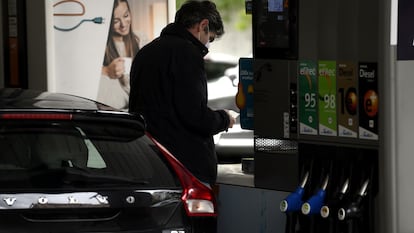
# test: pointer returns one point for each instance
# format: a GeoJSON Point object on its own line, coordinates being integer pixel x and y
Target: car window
{"type": "Point", "coordinates": [216, 69]}
{"type": "Point", "coordinates": [79, 154]}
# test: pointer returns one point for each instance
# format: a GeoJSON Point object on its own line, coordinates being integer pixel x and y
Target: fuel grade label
{"type": "Point", "coordinates": [347, 99]}
{"type": "Point", "coordinates": [327, 98]}
{"type": "Point", "coordinates": [368, 101]}
{"type": "Point", "coordinates": [308, 97]}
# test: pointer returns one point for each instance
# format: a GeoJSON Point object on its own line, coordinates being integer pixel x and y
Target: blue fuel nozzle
{"type": "Point", "coordinates": [314, 203]}
{"type": "Point", "coordinates": [293, 201]}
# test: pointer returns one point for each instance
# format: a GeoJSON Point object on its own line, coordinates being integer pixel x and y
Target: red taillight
{"type": "Point", "coordinates": [36, 116]}
{"type": "Point", "coordinates": [198, 199]}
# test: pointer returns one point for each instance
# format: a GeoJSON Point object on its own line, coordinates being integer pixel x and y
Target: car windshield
{"type": "Point", "coordinates": [83, 154]}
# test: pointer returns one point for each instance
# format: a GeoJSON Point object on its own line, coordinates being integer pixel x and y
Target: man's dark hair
{"type": "Point", "coordinates": [193, 12]}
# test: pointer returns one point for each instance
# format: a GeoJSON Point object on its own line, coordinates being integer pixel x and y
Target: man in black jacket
{"type": "Point", "coordinates": [169, 88]}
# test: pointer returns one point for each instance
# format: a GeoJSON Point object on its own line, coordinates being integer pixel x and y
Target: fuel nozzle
{"type": "Point", "coordinates": [354, 209]}
{"type": "Point", "coordinates": [314, 204]}
{"type": "Point", "coordinates": [293, 201]}
{"type": "Point", "coordinates": [333, 205]}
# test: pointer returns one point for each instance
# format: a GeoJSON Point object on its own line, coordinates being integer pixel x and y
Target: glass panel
{"type": "Point", "coordinates": [70, 154]}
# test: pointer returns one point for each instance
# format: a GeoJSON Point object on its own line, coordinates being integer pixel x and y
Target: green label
{"type": "Point", "coordinates": [308, 97]}
{"type": "Point", "coordinates": [327, 98]}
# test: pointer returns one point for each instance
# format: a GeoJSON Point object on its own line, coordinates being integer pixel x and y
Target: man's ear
{"type": "Point", "coordinates": [203, 24]}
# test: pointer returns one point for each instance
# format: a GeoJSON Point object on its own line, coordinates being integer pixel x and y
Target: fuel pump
{"type": "Point", "coordinates": [316, 88]}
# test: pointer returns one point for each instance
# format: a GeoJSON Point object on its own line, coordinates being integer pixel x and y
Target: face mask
{"type": "Point", "coordinates": [208, 41]}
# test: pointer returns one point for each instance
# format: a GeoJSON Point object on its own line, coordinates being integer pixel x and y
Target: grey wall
{"type": "Point", "coordinates": [404, 153]}
{"type": "Point", "coordinates": [395, 203]}
{"type": "Point", "coordinates": [398, 153]}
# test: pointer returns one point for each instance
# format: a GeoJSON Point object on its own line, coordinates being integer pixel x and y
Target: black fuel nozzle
{"type": "Point", "coordinates": [333, 205]}
{"type": "Point", "coordinates": [355, 208]}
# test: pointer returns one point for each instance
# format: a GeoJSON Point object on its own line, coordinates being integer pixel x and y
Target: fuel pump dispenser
{"type": "Point", "coordinates": [316, 102]}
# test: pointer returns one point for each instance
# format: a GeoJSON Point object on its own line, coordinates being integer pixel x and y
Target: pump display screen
{"type": "Point", "coordinates": [274, 28]}
{"type": "Point", "coordinates": [275, 5]}
{"type": "Point", "coordinates": [273, 24]}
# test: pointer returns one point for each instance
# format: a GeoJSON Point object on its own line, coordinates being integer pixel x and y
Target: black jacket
{"type": "Point", "coordinates": [169, 88]}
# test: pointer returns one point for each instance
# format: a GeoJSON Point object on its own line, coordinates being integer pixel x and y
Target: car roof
{"type": "Point", "coordinates": [17, 98]}
{"type": "Point", "coordinates": [26, 100]}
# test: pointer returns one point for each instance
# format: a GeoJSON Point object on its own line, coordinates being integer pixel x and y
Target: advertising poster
{"type": "Point", "coordinates": [327, 98]}
{"type": "Point", "coordinates": [368, 101]}
{"type": "Point", "coordinates": [347, 99]}
{"type": "Point", "coordinates": [244, 96]}
{"type": "Point", "coordinates": [308, 97]}
{"type": "Point", "coordinates": [95, 42]}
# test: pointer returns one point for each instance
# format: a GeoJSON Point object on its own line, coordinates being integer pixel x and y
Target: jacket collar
{"type": "Point", "coordinates": [176, 29]}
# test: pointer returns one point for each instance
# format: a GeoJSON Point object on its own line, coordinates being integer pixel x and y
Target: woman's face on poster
{"type": "Point", "coordinates": [122, 19]}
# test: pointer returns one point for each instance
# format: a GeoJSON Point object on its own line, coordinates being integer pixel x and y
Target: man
{"type": "Point", "coordinates": [169, 88]}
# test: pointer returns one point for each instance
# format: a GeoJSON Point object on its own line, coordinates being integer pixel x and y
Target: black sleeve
{"type": "Point", "coordinates": [190, 96]}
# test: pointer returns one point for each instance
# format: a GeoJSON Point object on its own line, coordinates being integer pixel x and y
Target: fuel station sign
{"type": "Point", "coordinates": [338, 98]}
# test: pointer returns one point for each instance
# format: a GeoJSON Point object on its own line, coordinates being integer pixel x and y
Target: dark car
{"type": "Point", "coordinates": [69, 164]}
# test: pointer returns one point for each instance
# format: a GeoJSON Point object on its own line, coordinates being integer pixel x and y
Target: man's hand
{"type": "Point", "coordinates": [232, 117]}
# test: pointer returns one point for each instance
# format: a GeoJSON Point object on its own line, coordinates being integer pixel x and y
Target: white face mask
{"type": "Point", "coordinates": [208, 41]}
